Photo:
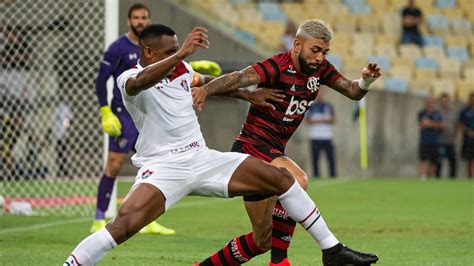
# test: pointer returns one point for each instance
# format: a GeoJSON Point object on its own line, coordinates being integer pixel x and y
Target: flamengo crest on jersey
{"type": "Point", "coordinates": [163, 114]}
{"type": "Point", "coordinates": [274, 127]}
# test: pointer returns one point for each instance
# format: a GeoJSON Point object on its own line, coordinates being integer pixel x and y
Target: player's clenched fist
{"type": "Point", "coordinates": [196, 38]}
{"type": "Point", "coordinates": [199, 97]}
{"type": "Point", "coordinates": [110, 123]}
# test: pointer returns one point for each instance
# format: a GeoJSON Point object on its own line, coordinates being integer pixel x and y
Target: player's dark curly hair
{"type": "Point", "coordinates": [138, 6]}
{"type": "Point", "coordinates": [154, 31]}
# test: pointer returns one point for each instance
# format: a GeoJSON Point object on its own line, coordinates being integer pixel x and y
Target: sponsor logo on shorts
{"type": "Point", "coordinates": [186, 148]}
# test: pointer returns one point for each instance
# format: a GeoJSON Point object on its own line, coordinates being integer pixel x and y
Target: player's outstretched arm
{"type": "Point", "coordinates": [224, 84]}
{"type": "Point", "coordinates": [357, 89]}
{"type": "Point", "coordinates": [155, 72]}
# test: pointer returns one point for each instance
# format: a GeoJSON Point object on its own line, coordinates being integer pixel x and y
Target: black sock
{"type": "Point", "coordinates": [333, 250]}
{"type": "Point", "coordinates": [278, 255]}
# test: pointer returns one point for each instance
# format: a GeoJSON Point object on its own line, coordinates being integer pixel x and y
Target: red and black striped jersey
{"type": "Point", "coordinates": [274, 128]}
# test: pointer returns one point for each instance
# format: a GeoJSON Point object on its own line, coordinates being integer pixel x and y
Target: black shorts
{"type": "Point", "coordinates": [429, 152]}
{"type": "Point", "coordinates": [263, 153]}
{"type": "Point", "coordinates": [467, 151]}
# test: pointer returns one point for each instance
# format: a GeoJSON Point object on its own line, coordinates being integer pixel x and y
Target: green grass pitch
{"type": "Point", "coordinates": [404, 221]}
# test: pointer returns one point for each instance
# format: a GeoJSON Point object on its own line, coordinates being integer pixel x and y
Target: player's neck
{"type": "Point", "coordinates": [296, 63]}
{"type": "Point", "coordinates": [132, 37]}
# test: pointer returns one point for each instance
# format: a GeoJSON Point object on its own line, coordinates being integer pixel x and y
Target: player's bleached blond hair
{"type": "Point", "coordinates": [315, 28]}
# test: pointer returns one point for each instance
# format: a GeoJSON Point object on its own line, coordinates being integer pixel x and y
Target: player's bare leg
{"type": "Point", "coordinates": [143, 204]}
{"type": "Point", "coordinates": [115, 162]}
{"type": "Point", "coordinates": [274, 229]}
{"type": "Point", "coordinates": [255, 176]}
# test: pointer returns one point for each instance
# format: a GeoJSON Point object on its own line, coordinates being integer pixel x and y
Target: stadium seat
{"type": "Point", "coordinates": [396, 84]}
{"type": "Point", "coordinates": [392, 22]}
{"type": "Point", "coordinates": [421, 87]}
{"type": "Point", "coordinates": [427, 73]}
{"type": "Point", "coordinates": [459, 53]}
{"type": "Point", "coordinates": [388, 50]}
{"type": "Point", "coordinates": [444, 86]}
{"type": "Point", "coordinates": [403, 61]}
{"type": "Point", "coordinates": [461, 26]}
{"type": "Point", "coordinates": [271, 11]}
{"type": "Point", "coordinates": [335, 60]}
{"type": "Point", "coordinates": [426, 62]}
{"type": "Point", "coordinates": [464, 88]}
{"type": "Point", "coordinates": [446, 3]}
{"type": "Point", "coordinates": [386, 39]}
{"type": "Point", "coordinates": [433, 40]}
{"type": "Point", "coordinates": [368, 24]}
{"type": "Point", "coordinates": [468, 73]}
{"type": "Point", "coordinates": [410, 51]}
{"type": "Point", "coordinates": [450, 68]}
{"type": "Point", "coordinates": [434, 52]}
{"type": "Point", "coordinates": [456, 41]}
{"type": "Point", "coordinates": [382, 61]}
{"type": "Point", "coordinates": [438, 23]}
{"type": "Point", "coordinates": [403, 72]}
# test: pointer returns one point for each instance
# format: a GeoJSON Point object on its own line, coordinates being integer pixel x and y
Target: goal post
{"type": "Point", "coordinates": [50, 134]}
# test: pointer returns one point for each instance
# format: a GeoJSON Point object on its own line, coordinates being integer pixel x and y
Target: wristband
{"type": "Point", "coordinates": [365, 83]}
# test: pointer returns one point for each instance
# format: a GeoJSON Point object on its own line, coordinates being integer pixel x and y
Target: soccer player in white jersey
{"type": "Point", "coordinates": [174, 160]}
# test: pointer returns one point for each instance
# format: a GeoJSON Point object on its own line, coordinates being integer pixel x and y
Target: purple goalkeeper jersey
{"type": "Point", "coordinates": [121, 55]}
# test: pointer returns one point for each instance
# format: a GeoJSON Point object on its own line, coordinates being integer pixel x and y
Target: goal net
{"type": "Point", "coordinates": [50, 137]}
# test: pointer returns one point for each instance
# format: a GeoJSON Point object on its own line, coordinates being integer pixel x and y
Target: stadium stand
{"type": "Point", "coordinates": [370, 29]}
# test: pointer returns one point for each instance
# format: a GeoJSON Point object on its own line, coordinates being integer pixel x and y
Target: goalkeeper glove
{"type": "Point", "coordinates": [110, 123]}
{"type": "Point", "coordinates": [206, 67]}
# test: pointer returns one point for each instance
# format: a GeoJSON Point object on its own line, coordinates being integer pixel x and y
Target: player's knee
{"type": "Point", "coordinates": [302, 179]}
{"type": "Point", "coordinates": [285, 180]}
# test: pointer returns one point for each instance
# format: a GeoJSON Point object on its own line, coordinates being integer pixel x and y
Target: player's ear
{"type": "Point", "coordinates": [297, 45]}
{"type": "Point", "coordinates": [148, 52]}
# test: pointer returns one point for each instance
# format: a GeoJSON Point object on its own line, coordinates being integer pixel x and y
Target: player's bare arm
{"type": "Point", "coordinates": [357, 89]}
{"type": "Point", "coordinates": [224, 84]}
{"type": "Point", "coordinates": [258, 96]}
{"type": "Point", "coordinates": [155, 72]}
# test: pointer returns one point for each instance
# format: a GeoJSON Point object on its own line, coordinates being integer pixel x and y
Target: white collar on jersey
{"type": "Point", "coordinates": [138, 64]}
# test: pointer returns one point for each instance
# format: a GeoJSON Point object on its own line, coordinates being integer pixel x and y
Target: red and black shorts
{"type": "Point", "coordinates": [261, 152]}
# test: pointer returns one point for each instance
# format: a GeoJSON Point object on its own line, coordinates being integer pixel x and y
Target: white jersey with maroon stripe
{"type": "Point", "coordinates": [163, 114]}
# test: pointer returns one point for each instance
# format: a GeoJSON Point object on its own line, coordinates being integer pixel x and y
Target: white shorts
{"type": "Point", "coordinates": [201, 171]}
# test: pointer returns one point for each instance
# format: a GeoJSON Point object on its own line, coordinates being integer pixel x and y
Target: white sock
{"type": "Point", "coordinates": [302, 209]}
{"type": "Point", "coordinates": [91, 249]}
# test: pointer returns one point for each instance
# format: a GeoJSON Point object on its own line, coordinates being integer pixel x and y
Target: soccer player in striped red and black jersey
{"type": "Point", "coordinates": [297, 75]}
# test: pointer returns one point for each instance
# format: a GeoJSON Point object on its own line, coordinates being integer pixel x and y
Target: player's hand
{"type": "Point", "coordinates": [196, 38]}
{"type": "Point", "coordinates": [263, 97]}
{"type": "Point", "coordinates": [110, 123]}
{"type": "Point", "coordinates": [199, 97]}
{"type": "Point", "coordinates": [206, 67]}
{"type": "Point", "coordinates": [371, 72]}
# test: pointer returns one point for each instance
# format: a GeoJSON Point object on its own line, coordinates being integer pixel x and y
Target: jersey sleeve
{"type": "Point", "coordinates": [108, 64]}
{"type": "Point", "coordinates": [122, 81]}
{"type": "Point", "coordinates": [268, 71]}
{"type": "Point", "coordinates": [329, 75]}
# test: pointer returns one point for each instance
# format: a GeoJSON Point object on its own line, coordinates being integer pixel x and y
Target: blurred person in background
{"type": "Point", "coordinates": [320, 119]}
{"type": "Point", "coordinates": [121, 55]}
{"type": "Point", "coordinates": [447, 137]}
{"type": "Point", "coordinates": [288, 36]}
{"type": "Point", "coordinates": [431, 124]}
{"type": "Point", "coordinates": [412, 17]}
{"type": "Point", "coordinates": [466, 119]}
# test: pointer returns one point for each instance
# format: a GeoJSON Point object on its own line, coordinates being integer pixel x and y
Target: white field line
{"type": "Point", "coordinates": [194, 203]}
